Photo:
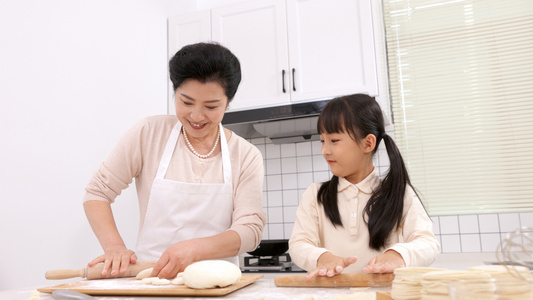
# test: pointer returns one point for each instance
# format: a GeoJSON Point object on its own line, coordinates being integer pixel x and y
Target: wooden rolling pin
{"type": "Point", "coordinates": [341, 280]}
{"type": "Point", "coordinates": [95, 272]}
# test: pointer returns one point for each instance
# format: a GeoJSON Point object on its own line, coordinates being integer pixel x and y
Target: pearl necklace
{"type": "Point", "coordinates": [194, 151]}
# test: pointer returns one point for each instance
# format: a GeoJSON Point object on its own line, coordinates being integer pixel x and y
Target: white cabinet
{"type": "Point", "coordinates": [296, 50]}
{"type": "Point", "coordinates": [331, 48]}
{"type": "Point", "coordinates": [184, 30]}
{"type": "Point", "coordinates": [188, 29]}
{"type": "Point", "coordinates": [256, 32]}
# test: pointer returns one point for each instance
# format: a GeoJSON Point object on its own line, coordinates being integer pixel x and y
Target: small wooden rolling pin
{"type": "Point", "coordinates": [341, 280]}
{"type": "Point", "coordinates": [95, 272]}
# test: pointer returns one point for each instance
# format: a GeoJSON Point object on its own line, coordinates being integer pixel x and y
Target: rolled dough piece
{"type": "Point", "coordinates": [178, 281]}
{"type": "Point", "coordinates": [208, 274]}
{"type": "Point", "coordinates": [356, 296]}
{"type": "Point", "coordinates": [144, 274]}
{"type": "Point", "coordinates": [148, 280]}
{"type": "Point", "coordinates": [161, 281]}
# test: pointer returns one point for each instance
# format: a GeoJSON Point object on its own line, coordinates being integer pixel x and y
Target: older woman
{"type": "Point", "coordinates": [199, 185]}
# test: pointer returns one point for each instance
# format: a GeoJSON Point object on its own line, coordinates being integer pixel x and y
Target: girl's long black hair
{"type": "Point", "coordinates": [360, 115]}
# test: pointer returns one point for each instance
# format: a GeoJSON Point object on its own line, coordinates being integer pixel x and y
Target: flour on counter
{"type": "Point", "coordinates": [35, 295]}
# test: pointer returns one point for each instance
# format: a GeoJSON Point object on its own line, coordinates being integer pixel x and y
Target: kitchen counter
{"type": "Point", "coordinates": [265, 289]}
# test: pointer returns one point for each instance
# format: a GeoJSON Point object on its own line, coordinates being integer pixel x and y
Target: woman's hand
{"type": "Point", "coordinates": [329, 265]}
{"type": "Point", "coordinates": [115, 259]}
{"type": "Point", "coordinates": [385, 263]}
{"type": "Point", "coordinates": [178, 256]}
{"type": "Point", "coordinates": [175, 259]}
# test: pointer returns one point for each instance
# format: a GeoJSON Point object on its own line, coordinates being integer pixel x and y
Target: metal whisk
{"type": "Point", "coordinates": [516, 249]}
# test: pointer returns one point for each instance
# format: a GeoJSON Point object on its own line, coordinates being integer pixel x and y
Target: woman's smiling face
{"type": "Point", "coordinates": [200, 107]}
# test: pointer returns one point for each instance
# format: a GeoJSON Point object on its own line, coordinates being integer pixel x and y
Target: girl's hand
{"type": "Point", "coordinates": [115, 261]}
{"type": "Point", "coordinates": [329, 265]}
{"type": "Point", "coordinates": [385, 263]}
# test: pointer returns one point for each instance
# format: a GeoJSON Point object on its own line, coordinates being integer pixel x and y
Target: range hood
{"type": "Point", "coordinates": [282, 124]}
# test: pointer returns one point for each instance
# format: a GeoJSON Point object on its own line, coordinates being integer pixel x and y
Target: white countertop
{"type": "Point", "coordinates": [266, 290]}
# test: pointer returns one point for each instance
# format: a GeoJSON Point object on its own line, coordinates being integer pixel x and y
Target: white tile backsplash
{"type": "Point", "coordinates": [289, 213]}
{"type": "Point", "coordinates": [287, 228]}
{"type": "Point", "coordinates": [321, 176]}
{"type": "Point", "coordinates": [316, 148]}
{"type": "Point", "coordinates": [383, 158]}
{"type": "Point", "coordinates": [509, 222]}
{"type": "Point", "coordinates": [273, 166]}
{"type": "Point", "coordinates": [305, 180]}
{"type": "Point", "coordinates": [273, 182]}
{"type": "Point", "coordinates": [303, 149]}
{"type": "Point", "coordinates": [468, 224]}
{"type": "Point", "coordinates": [288, 165]}
{"type": "Point", "coordinates": [276, 232]}
{"type": "Point", "coordinates": [488, 223]}
{"type": "Point", "coordinates": [526, 219]}
{"type": "Point", "coordinates": [290, 198]}
{"type": "Point", "coordinates": [273, 151]}
{"type": "Point", "coordinates": [275, 214]}
{"type": "Point", "coordinates": [275, 198]}
{"type": "Point", "coordinates": [288, 150]}
{"type": "Point", "coordinates": [291, 168]}
{"type": "Point", "coordinates": [266, 231]}
{"type": "Point", "coordinates": [470, 243]}
{"type": "Point", "coordinates": [304, 163]}
{"type": "Point", "coordinates": [489, 242]}
{"type": "Point", "coordinates": [449, 225]}
{"type": "Point", "coordinates": [451, 243]}
{"type": "Point", "coordinates": [290, 181]}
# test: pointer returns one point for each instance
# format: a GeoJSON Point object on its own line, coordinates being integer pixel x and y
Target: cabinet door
{"type": "Point", "coordinates": [184, 30]}
{"type": "Point", "coordinates": [256, 33]}
{"type": "Point", "coordinates": [331, 46]}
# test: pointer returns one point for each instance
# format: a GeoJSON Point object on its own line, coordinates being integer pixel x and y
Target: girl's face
{"type": "Point", "coordinates": [346, 157]}
{"type": "Point", "coordinates": [200, 107]}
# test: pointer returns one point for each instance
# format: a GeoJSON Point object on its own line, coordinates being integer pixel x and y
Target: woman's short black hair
{"type": "Point", "coordinates": [206, 62]}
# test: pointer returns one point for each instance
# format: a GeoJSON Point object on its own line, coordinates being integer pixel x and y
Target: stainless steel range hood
{"type": "Point", "coordinates": [282, 124]}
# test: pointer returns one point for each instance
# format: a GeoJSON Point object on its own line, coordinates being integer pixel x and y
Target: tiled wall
{"type": "Point", "coordinates": [477, 233]}
{"type": "Point", "coordinates": [291, 168]}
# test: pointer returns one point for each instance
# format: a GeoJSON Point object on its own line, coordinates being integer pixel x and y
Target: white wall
{"type": "Point", "coordinates": [74, 76]}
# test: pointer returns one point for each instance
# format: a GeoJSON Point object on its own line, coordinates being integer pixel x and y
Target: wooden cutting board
{"type": "Point", "coordinates": [133, 287]}
{"type": "Point", "coordinates": [341, 280]}
{"type": "Point", "coordinates": [383, 295]}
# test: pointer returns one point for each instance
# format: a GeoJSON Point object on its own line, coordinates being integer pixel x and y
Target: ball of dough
{"type": "Point", "coordinates": [144, 274]}
{"type": "Point", "coordinates": [208, 274]}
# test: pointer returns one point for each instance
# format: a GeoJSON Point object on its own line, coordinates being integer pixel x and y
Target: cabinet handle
{"type": "Point", "coordinates": [293, 84]}
{"type": "Point", "coordinates": [283, 80]}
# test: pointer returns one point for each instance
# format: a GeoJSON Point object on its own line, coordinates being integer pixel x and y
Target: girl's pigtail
{"type": "Point", "coordinates": [327, 196]}
{"type": "Point", "coordinates": [386, 203]}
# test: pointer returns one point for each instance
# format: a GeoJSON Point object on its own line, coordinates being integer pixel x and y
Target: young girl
{"type": "Point", "coordinates": [357, 222]}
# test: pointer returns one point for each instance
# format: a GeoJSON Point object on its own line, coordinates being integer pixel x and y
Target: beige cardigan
{"type": "Point", "coordinates": [138, 153]}
{"type": "Point", "coordinates": [313, 233]}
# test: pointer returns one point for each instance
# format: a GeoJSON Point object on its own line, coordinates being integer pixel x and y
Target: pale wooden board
{"type": "Point", "coordinates": [133, 287]}
{"type": "Point", "coordinates": [383, 295]}
{"type": "Point", "coordinates": [341, 280]}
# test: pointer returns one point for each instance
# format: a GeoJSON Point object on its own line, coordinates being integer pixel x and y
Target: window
{"type": "Point", "coordinates": [461, 85]}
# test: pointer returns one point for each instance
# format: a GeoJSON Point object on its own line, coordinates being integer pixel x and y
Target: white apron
{"type": "Point", "coordinates": [180, 211]}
